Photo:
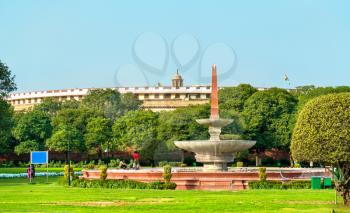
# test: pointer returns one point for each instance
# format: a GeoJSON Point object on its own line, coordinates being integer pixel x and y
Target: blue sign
{"type": "Point", "coordinates": [39, 157]}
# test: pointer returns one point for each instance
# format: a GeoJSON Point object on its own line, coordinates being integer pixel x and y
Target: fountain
{"type": "Point", "coordinates": [214, 153]}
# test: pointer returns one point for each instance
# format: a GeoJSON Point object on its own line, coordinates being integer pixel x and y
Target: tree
{"type": "Point", "coordinates": [31, 130]}
{"type": "Point", "coordinates": [181, 124]}
{"type": "Point", "coordinates": [322, 134]}
{"type": "Point", "coordinates": [137, 130]}
{"type": "Point", "coordinates": [130, 102]}
{"type": "Point", "coordinates": [7, 83]}
{"type": "Point", "coordinates": [106, 101]}
{"type": "Point", "coordinates": [98, 135]}
{"type": "Point", "coordinates": [6, 124]}
{"type": "Point", "coordinates": [63, 137]}
{"type": "Point", "coordinates": [267, 116]}
{"type": "Point", "coordinates": [76, 117]}
{"type": "Point", "coordinates": [233, 98]}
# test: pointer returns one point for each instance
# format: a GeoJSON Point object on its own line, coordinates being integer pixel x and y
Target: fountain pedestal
{"type": "Point", "coordinates": [215, 153]}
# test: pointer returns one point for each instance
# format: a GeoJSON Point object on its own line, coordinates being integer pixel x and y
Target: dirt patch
{"type": "Point", "coordinates": [112, 203]}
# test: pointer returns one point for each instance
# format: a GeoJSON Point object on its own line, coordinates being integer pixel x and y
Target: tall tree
{"type": "Point", "coordinates": [7, 83]}
{"type": "Point", "coordinates": [130, 102]}
{"type": "Point", "coordinates": [106, 101]}
{"type": "Point", "coordinates": [267, 116]}
{"type": "Point", "coordinates": [98, 135]}
{"type": "Point", "coordinates": [31, 130]}
{"type": "Point", "coordinates": [6, 124]}
{"type": "Point", "coordinates": [137, 130]}
{"type": "Point", "coordinates": [66, 138]}
{"type": "Point", "coordinates": [233, 98]}
{"type": "Point", "coordinates": [322, 134]}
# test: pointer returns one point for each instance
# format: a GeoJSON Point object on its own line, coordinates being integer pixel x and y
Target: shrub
{"type": "Point", "coordinates": [262, 174]}
{"type": "Point", "coordinates": [114, 163]}
{"type": "Point", "coordinates": [121, 184]}
{"type": "Point", "coordinates": [100, 162]}
{"type": "Point", "coordinates": [103, 172]}
{"type": "Point", "coordinates": [171, 163]}
{"type": "Point", "coordinates": [293, 184]}
{"type": "Point", "coordinates": [240, 164]}
{"type": "Point", "coordinates": [66, 176]}
{"type": "Point", "coordinates": [167, 173]}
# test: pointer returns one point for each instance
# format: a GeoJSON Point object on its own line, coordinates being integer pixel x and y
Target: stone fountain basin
{"type": "Point", "coordinates": [214, 122]}
{"type": "Point", "coordinates": [211, 147]}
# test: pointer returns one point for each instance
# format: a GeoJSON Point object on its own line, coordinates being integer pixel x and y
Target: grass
{"type": "Point", "coordinates": [16, 195]}
{"type": "Point", "coordinates": [16, 170]}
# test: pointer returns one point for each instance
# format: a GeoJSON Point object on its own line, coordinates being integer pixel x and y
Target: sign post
{"type": "Point", "coordinates": [40, 157]}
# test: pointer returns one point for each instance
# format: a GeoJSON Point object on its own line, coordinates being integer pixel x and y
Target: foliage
{"type": "Point", "coordinates": [98, 135]}
{"type": "Point", "coordinates": [239, 164]}
{"type": "Point", "coordinates": [322, 134]}
{"type": "Point", "coordinates": [31, 130]}
{"type": "Point", "coordinates": [106, 101]}
{"type": "Point", "coordinates": [6, 124]}
{"type": "Point", "coordinates": [103, 172]}
{"type": "Point", "coordinates": [167, 173]}
{"type": "Point", "coordinates": [137, 130]}
{"type": "Point", "coordinates": [71, 172]}
{"type": "Point", "coordinates": [181, 124]}
{"type": "Point", "coordinates": [130, 103]}
{"type": "Point", "coordinates": [121, 184]}
{"type": "Point", "coordinates": [273, 184]}
{"type": "Point", "coordinates": [233, 98]}
{"type": "Point", "coordinates": [7, 81]}
{"type": "Point", "coordinates": [170, 163]}
{"type": "Point", "coordinates": [267, 115]}
{"type": "Point", "coordinates": [262, 174]}
{"type": "Point", "coordinates": [64, 136]}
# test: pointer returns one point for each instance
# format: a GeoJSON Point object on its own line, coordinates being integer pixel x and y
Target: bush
{"type": "Point", "coordinates": [293, 184]}
{"type": "Point", "coordinates": [167, 173]}
{"type": "Point", "coordinates": [262, 174]}
{"type": "Point", "coordinates": [103, 172]}
{"type": "Point", "coordinates": [114, 163]}
{"type": "Point", "coordinates": [239, 164]}
{"type": "Point", "coordinates": [121, 184]}
{"type": "Point", "coordinates": [66, 172]}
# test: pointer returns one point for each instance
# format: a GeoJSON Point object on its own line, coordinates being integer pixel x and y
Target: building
{"type": "Point", "coordinates": [154, 98]}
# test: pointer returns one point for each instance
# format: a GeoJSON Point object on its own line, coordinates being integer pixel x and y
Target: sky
{"type": "Point", "coordinates": [101, 43]}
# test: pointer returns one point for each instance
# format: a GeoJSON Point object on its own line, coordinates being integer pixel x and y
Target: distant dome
{"type": "Point", "coordinates": [177, 75]}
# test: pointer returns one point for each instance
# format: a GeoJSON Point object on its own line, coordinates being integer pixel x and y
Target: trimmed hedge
{"type": "Point", "coordinates": [122, 184]}
{"type": "Point", "coordinates": [271, 184]}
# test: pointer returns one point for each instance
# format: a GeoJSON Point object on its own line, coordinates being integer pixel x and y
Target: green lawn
{"type": "Point", "coordinates": [16, 195]}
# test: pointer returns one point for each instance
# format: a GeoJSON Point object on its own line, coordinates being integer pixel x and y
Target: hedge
{"type": "Point", "coordinates": [271, 184]}
{"type": "Point", "coordinates": [120, 184]}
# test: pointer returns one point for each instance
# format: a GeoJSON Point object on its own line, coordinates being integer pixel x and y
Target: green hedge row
{"type": "Point", "coordinates": [294, 184]}
{"type": "Point", "coordinates": [120, 184]}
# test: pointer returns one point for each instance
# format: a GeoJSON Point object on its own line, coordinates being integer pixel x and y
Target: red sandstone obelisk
{"type": "Point", "coordinates": [214, 112]}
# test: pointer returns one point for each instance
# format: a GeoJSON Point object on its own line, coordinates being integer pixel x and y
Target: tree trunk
{"type": "Point", "coordinates": [342, 181]}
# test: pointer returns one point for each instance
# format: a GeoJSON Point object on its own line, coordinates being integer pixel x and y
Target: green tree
{"type": "Point", "coordinates": [31, 130]}
{"type": "Point", "coordinates": [233, 98]}
{"type": "Point", "coordinates": [137, 130]}
{"type": "Point", "coordinates": [6, 124]}
{"type": "Point", "coordinates": [267, 116]}
{"type": "Point", "coordinates": [130, 102]}
{"type": "Point", "coordinates": [106, 101]}
{"type": "Point", "coordinates": [181, 124]}
{"type": "Point", "coordinates": [98, 135]}
{"type": "Point", "coordinates": [7, 83]}
{"type": "Point", "coordinates": [66, 139]}
{"type": "Point", "coordinates": [322, 134]}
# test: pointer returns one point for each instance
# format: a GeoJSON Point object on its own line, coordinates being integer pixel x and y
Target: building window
{"type": "Point", "coordinates": [177, 95]}
{"type": "Point", "coordinates": [208, 96]}
{"type": "Point", "coordinates": [198, 96]}
{"type": "Point", "coordinates": [156, 96]}
{"type": "Point", "coordinates": [146, 96]}
{"type": "Point", "coordinates": [167, 96]}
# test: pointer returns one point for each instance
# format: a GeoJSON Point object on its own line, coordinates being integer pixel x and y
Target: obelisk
{"type": "Point", "coordinates": [214, 112]}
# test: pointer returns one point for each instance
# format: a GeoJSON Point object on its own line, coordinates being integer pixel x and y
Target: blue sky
{"type": "Point", "coordinates": [78, 44]}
